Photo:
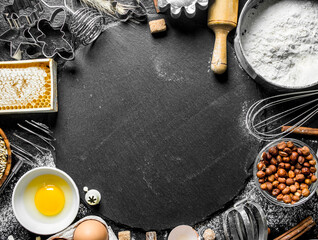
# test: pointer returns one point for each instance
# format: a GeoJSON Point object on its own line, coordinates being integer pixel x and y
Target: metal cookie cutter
{"type": "Point", "coordinates": [139, 13]}
{"type": "Point", "coordinates": [20, 39]}
{"type": "Point", "coordinates": [23, 13]}
{"type": "Point", "coordinates": [52, 39]}
{"type": "Point", "coordinates": [246, 220]}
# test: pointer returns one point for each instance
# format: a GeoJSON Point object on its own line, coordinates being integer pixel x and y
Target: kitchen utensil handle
{"type": "Point", "coordinates": [219, 58]}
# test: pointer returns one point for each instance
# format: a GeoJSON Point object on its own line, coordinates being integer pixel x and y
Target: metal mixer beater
{"type": "Point", "coordinates": [85, 23]}
{"type": "Point", "coordinates": [266, 117]}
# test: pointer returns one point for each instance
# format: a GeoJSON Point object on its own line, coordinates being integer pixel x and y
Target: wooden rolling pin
{"type": "Point", "coordinates": [222, 18]}
{"type": "Point", "coordinates": [302, 130]}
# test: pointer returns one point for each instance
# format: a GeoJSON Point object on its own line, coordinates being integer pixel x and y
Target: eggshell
{"type": "Point", "coordinates": [91, 230]}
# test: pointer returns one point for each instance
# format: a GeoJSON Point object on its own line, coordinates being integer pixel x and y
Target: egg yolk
{"type": "Point", "coordinates": [49, 200]}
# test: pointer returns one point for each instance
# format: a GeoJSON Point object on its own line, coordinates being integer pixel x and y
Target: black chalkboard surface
{"type": "Point", "coordinates": [145, 121]}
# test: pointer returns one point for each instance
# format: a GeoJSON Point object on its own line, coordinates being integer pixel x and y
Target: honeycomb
{"type": "Point", "coordinates": [25, 86]}
{"type": "Point", "coordinates": [3, 157]}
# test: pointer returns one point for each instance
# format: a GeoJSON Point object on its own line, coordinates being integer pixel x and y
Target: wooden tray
{"type": "Point", "coordinates": [9, 162]}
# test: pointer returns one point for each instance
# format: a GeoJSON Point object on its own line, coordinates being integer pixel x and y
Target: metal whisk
{"type": "Point", "coordinates": [85, 23]}
{"type": "Point", "coordinates": [266, 117]}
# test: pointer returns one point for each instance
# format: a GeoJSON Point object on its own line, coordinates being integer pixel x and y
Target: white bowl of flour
{"type": "Point", "coordinates": [277, 42]}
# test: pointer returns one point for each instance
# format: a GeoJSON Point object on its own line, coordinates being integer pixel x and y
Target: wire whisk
{"type": "Point", "coordinates": [85, 23]}
{"type": "Point", "coordinates": [266, 117]}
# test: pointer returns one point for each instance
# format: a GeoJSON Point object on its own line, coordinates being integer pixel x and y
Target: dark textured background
{"type": "Point", "coordinates": [145, 121]}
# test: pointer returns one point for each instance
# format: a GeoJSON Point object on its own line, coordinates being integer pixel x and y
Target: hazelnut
{"type": "Point", "coordinates": [282, 172]}
{"type": "Point", "coordinates": [273, 161]}
{"type": "Point", "coordinates": [273, 151]}
{"type": "Point", "coordinates": [275, 192]}
{"type": "Point", "coordinates": [272, 168]}
{"type": "Point", "coordinates": [313, 169]}
{"type": "Point", "coordinates": [301, 160]}
{"type": "Point", "coordinates": [297, 194]}
{"type": "Point", "coordinates": [264, 156]}
{"type": "Point", "coordinates": [286, 191]}
{"type": "Point", "coordinates": [283, 154]}
{"type": "Point", "coordinates": [281, 186]}
{"type": "Point", "coordinates": [279, 159]}
{"type": "Point", "coordinates": [291, 174]}
{"type": "Point", "coordinates": [281, 145]}
{"type": "Point", "coordinates": [313, 178]}
{"type": "Point", "coordinates": [287, 199]}
{"type": "Point", "coordinates": [269, 172]}
{"type": "Point", "coordinates": [305, 192]}
{"type": "Point", "coordinates": [297, 185]}
{"type": "Point", "coordinates": [300, 177]}
{"type": "Point", "coordinates": [287, 150]}
{"type": "Point", "coordinates": [293, 157]}
{"type": "Point", "coordinates": [292, 168]}
{"type": "Point", "coordinates": [264, 186]}
{"type": "Point", "coordinates": [282, 180]}
{"type": "Point", "coordinates": [260, 174]}
{"type": "Point", "coordinates": [261, 180]}
{"type": "Point", "coordinates": [299, 151]}
{"type": "Point", "coordinates": [287, 166]}
{"type": "Point", "coordinates": [281, 165]}
{"type": "Point", "coordinates": [260, 166]}
{"type": "Point", "coordinates": [280, 197]}
{"type": "Point", "coordinates": [286, 159]}
{"type": "Point", "coordinates": [275, 184]}
{"type": "Point", "coordinates": [290, 144]}
{"type": "Point", "coordinates": [312, 162]}
{"type": "Point", "coordinates": [268, 156]}
{"type": "Point", "coordinates": [298, 166]}
{"type": "Point", "coordinates": [276, 176]}
{"type": "Point", "coordinates": [271, 178]}
{"type": "Point", "coordinates": [295, 198]}
{"type": "Point", "coordinates": [269, 186]}
{"type": "Point", "coordinates": [305, 150]}
{"type": "Point", "coordinates": [308, 182]}
{"type": "Point", "coordinates": [290, 181]}
{"type": "Point", "coordinates": [305, 171]}
{"type": "Point", "coordinates": [306, 164]}
{"type": "Point", "coordinates": [297, 171]}
{"type": "Point", "coordinates": [293, 188]}
{"type": "Point", "coordinates": [309, 157]}
{"type": "Point", "coordinates": [303, 186]}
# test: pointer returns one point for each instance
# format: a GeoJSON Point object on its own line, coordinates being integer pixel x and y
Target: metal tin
{"type": "Point", "coordinates": [188, 6]}
{"type": "Point", "coordinates": [241, 55]}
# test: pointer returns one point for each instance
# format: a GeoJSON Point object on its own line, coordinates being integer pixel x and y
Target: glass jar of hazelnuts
{"type": "Point", "coordinates": [285, 172]}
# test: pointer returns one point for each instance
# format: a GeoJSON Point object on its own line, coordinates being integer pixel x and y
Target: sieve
{"type": "Point", "coordinates": [241, 54]}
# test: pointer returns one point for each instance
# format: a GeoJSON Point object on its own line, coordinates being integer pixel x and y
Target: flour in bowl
{"type": "Point", "coordinates": [281, 41]}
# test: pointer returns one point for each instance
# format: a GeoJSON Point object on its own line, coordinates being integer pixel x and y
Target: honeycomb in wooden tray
{"type": "Point", "coordinates": [28, 86]}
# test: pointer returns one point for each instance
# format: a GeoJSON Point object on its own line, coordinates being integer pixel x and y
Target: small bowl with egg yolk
{"type": "Point", "coordinates": [45, 200]}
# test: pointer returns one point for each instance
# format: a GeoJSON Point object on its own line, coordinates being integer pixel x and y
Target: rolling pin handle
{"type": "Point", "coordinates": [219, 58]}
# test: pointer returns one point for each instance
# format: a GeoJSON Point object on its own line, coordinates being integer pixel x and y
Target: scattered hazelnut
{"type": "Point", "coordinates": [291, 174]}
{"type": "Point", "coordinates": [290, 181]}
{"type": "Point", "coordinates": [273, 151]}
{"type": "Point", "coordinates": [280, 197]}
{"type": "Point", "coordinates": [276, 192]}
{"type": "Point", "coordinates": [269, 186]}
{"type": "Point", "coordinates": [313, 178]}
{"type": "Point", "coordinates": [281, 186]}
{"type": "Point", "coordinates": [286, 191]}
{"type": "Point", "coordinates": [282, 180]}
{"type": "Point", "coordinates": [293, 188]}
{"type": "Point", "coordinates": [305, 171]}
{"type": "Point", "coordinates": [305, 150]}
{"type": "Point", "coordinates": [290, 144]}
{"type": "Point", "coordinates": [260, 166]}
{"type": "Point", "coordinates": [313, 169]}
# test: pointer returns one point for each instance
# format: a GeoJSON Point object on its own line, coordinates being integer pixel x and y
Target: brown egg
{"type": "Point", "coordinates": [91, 230]}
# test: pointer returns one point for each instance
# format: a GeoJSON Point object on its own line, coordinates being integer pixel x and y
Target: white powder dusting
{"type": "Point", "coordinates": [281, 41]}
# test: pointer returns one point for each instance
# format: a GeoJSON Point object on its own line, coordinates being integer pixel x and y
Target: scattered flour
{"type": "Point", "coordinates": [281, 41]}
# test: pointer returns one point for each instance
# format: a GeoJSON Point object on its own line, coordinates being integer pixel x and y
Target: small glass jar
{"type": "Point", "coordinates": [267, 195]}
